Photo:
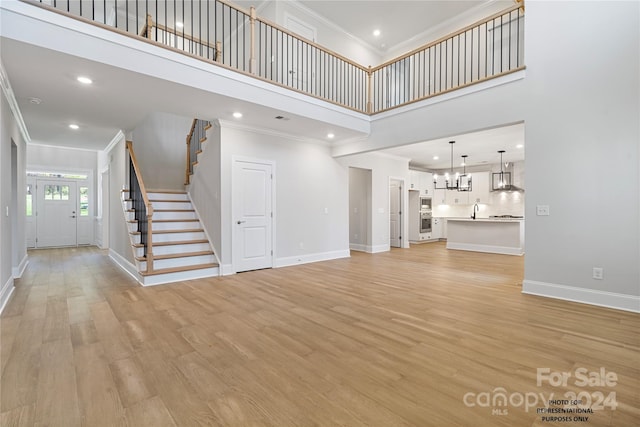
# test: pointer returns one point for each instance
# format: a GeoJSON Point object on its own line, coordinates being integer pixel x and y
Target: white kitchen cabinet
{"type": "Point", "coordinates": [436, 228]}
{"type": "Point", "coordinates": [426, 183]}
{"type": "Point", "coordinates": [413, 180]}
{"type": "Point", "coordinates": [480, 188]}
{"type": "Point", "coordinates": [421, 181]}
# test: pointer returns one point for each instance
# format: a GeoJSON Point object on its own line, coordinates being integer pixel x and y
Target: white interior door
{"type": "Point", "coordinates": [395, 214]}
{"type": "Point", "coordinates": [252, 215]}
{"type": "Point", "coordinates": [56, 214]}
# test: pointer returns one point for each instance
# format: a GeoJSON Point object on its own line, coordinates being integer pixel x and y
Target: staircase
{"type": "Point", "coordinates": [181, 249]}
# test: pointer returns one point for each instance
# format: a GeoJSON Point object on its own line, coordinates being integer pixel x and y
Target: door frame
{"type": "Point", "coordinates": [404, 242]}
{"type": "Point", "coordinates": [234, 235]}
{"type": "Point", "coordinates": [40, 183]}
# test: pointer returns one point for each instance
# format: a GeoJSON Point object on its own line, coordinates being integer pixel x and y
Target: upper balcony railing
{"type": "Point", "coordinates": [215, 31]}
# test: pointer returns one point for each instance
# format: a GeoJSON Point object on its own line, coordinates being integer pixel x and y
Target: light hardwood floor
{"type": "Point", "coordinates": [403, 338]}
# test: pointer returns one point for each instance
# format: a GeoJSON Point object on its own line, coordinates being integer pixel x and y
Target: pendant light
{"type": "Point", "coordinates": [501, 180]}
{"type": "Point", "coordinates": [464, 180]}
{"type": "Point", "coordinates": [450, 179]}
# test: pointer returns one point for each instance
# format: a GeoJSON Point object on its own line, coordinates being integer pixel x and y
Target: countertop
{"type": "Point", "coordinates": [485, 219]}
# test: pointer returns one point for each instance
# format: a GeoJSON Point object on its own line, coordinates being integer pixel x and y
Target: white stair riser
{"type": "Point", "coordinates": [175, 237]}
{"type": "Point", "coordinates": [178, 249]}
{"type": "Point", "coordinates": [176, 277]}
{"type": "Point", "coordinates": [172, 205]}
{"type": "Point", "coordinates": [178, 262]}
{"type": "Point", "coordinates": [174, 215]}
{"type": "Point", "coordinates": [167, 196]}
{"type": "Point", "coordinates": [159, 226]}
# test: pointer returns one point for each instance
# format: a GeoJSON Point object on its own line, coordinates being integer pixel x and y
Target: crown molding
{"type": "Point", "coordinates": [13, 103]}
{"type": "Point", "coordinates": [119, 136]}
{"type": "Point", "coordinates": [263, 131]}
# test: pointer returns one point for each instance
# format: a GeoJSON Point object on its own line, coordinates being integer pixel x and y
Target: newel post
{"type": "Point", "coordinates": [218, 51]}
{"type": "Point", "coordinates": [149, 238]}
{"type": "Point", "coordinates": [252, 53]}
{"type": "Point", "coordinates": [149, 26]}
{"type": "Point", "coordinates": [369, 91]}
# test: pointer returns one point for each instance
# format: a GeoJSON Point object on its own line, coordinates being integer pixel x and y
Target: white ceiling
{"type": "Point", "coordinates": [481, 147]}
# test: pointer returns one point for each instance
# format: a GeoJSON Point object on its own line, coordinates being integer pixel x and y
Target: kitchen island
{"type": "Point", "coordinates": [494, 235]}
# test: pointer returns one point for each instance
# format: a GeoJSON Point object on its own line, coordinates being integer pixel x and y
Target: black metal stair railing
{"type": "Point", "coordinates": [197, 135]}
{"type": "Point", "coordinates": [142, 208]}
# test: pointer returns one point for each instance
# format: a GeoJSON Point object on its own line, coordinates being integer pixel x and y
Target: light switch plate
{"type": "Point", "coordinates": [542, 210]}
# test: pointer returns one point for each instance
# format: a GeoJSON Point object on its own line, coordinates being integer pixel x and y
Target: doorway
{"type": "Point", "coordinates": [395, 212]}
{"type": "Point", "coordinates": [57, 213]}
{"type": "Point", "coordinates": [252, 214]}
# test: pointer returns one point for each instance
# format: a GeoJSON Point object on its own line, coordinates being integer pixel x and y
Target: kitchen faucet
{"type": "Point", "coordinates": [475, 207]}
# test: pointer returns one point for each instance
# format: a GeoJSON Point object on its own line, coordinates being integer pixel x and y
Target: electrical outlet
{"type": "Point", "coordinates": [542, 210]}
{"type": "Point", "coordinates": [598, 273]}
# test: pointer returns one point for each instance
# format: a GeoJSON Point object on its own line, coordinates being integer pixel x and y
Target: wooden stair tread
{"type": "Point", "coordinates": [189, 230]}
{"type": "Point", "coordinates": [179, 269]}
{"type": "Point", "coordinates": [178, 255]}
{"type": "Point", "coordinates": [168, 201]}
{"type": "Point", "coordinates": [180, 242]}
{"type": "Point", "coordinates": [176, 220]}
{"type": "Point", "coordinates": [167, 191]}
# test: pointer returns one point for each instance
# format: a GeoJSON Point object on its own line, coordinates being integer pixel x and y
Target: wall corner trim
{"type": "Point", "coordinates": [585, 296]}
{"type": "Point", "coordinates": [13, 103]}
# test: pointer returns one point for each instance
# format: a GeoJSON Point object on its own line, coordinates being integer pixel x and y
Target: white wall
{"type": "Point", "coordinates": [308, 181]}
{"type": "Point", "coordinates": [119, 242]}
{"type": "Point", "coordinates": [159, 142]}
{"type": "Point", "coordinates": [583, 125]}
{"type": "Point", "coordinates": [382, 168]}
{"type": "Point", "coordinates": [13, 246]}
{"type": "Point", "coordinates": [205, 187]}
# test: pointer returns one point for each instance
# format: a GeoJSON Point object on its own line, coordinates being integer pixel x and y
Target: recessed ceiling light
{"type": "Point", "coordinates": [435, 157]}
{"type": "Point", "coordinates": [520, 146]}
{"type": "Point", "coordinates": [179, 24]}
{"type": "Point", "coordinates": [36, 101]}
{"type": "Point", "coordinates": [74, 126]}
{"type": "Point", "coordinates": [376, 33]}
{"type": "Point", "coordinates": [330, 136]}
{"type": "Point", "coordinates": [85, 80]}
{"type": "Point", "coordinates": [237, 115]}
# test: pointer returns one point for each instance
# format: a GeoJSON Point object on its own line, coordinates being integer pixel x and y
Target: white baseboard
{"type": "Point", "coordinates": [380, 248]}
{"type": "Point", "coordinates": [308, 258]}
{"type": "Point", "coordinates": [582, 295]}
{"type": "Point", "coordinates": [19, 270]}
{"type": "Point", "coordinates": [227, 270]}
{"type": "Point", "coordinates": [360, 247]}
{"type": "Point", "coordinates": [504, 250]}
{"type": "Point", "coordinates": [125, 265]}
{"type": "Point", "coordinates": [5, 293]}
